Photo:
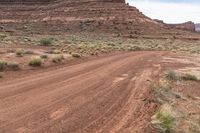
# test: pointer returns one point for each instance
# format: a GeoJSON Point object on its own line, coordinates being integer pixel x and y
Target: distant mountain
{"type": "Point", "coordinates": [197, 27]}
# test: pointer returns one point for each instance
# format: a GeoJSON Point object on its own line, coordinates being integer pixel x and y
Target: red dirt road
{"type": "Point", "coordinates": [108, 94]}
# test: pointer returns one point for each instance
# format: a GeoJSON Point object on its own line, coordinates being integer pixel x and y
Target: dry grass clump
{"type": "Point", "coordinates": [46, 41]}
{"type": "Point", "coordinates": [189, 77]}
{"type": "Point", "coordinates": [57, 58]}
{"type": "Point", "coordinates": [13, 66]}
{"type": "Point", "coordinates": [44, 56]}
{"type": "Point", "coordinates": [3, 65]}
{"type": "Point", "coordinates": [56, 51]}
{"type": "Point", "coordinates": [10, 66]}
{"type": "Point", "coordinates": [172, 75]}
{"type": "Point", "coordinates": [35, 61]}
{"type": "Point", "coordinates": [20, 52]}
{"type": "Point", "coordinates": [76, 55]}
{"type": "Point", "coordinates": [162, 91]}
{"type": "Point", "coordinates": [163, 120]}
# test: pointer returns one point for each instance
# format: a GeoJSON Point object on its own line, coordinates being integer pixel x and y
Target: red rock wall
{"type": "Point", "coordinates": [49, 1]}
{"type": "Point", "coordinates": [190, 26]}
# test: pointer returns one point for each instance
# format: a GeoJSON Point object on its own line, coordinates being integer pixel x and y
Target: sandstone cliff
{"type": "Point", "coordinates": [185, 26]}
{"type": "Point", "coordinates": [110, 17]}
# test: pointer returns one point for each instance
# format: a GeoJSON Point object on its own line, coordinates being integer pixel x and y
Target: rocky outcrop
{"type": "Point", "coordinates": [7, 2]}
{"type": "Point", "coordinates": [107, 17]}
{"type": "Point", "coordinates": [52, 1]}
{"type": "Point", "coordinates": [190, 26]}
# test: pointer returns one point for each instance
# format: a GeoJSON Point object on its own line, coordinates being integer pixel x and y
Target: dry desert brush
{"type": "Point", "coordinates": [35, 61]}
{"type": "Point", "coordinates": [3, 65]}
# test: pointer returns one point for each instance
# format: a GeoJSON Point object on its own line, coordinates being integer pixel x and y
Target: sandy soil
{"type": "Point", "coordinates": [108, 94]}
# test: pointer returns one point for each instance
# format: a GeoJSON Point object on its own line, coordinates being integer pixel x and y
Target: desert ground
{"type": "Point", "coordinates": [109, 93]}
{"type": "Point", "coordinates": [92, 66]}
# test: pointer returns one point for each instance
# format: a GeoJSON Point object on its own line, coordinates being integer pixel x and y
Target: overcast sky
{"type": "Point", "coordinates": [171, 11]}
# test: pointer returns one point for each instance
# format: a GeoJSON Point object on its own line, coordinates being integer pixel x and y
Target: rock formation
{"type": "Point", "coordinates": [110, 17]}
{"type": "Point", "coordinates": [184, 26]}
{"type": "Point", "coordinates": [52, 1]}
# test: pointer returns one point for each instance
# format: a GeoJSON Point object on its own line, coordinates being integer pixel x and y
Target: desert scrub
{"type": "Point", "coordinates": [28, 52]}
{"type": "Point", "coordinates": [35, 61]}
{"type": "Point", "coordinates": [191, 96]}
{"type": "Point", "coordinates": [10, 51]}
{"type": "Point", "coordinates": [57, 58]}
{"type": "Point", "coordinates": [3, 65]}
{"type": "Point", "coordinates": [162, 92]}
{"type": "Point", "coordinates": [172, 75]}
{"type": "Point", "coordinates": [76, 55]}
{"type": "Point", "coordinates": [56, 51]}
{"type": "Point", "coordinates": [19, 52]}
{"type": "Point", "coordinates": [44, 56]}
{"type": "Point", "coordinates": [46, 41]}
{"type": "Point", "coordinates": [13, 66]}
{"type": "Point", "coordinates": [163, 119]}
{"type": "Point", "coordinates": [189, 77]}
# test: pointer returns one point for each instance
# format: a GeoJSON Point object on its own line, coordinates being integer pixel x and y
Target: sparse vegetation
{"type": "Point", "coordinates": [56, 51]}
{"type": "Point", "coordinates": [57, 58]}
{"type": "Point", "coordinates": [13, 66]}
{"type": "Point", "coordinates": [190, 77]}
{"type": "Point", "coordinates": [191, 96]}
{"type": "Point", "coordinates": [76, 55]}
{"type": "Point", "coordinates": [163, 93]}
{"type": "Point", "coordinates": [35, 61]}
{"type": "Point", "coordinates": [10, 51]}
{"type": "Point", "coordinates": [172, 75]}
{"type": "Point", "coordinates": [44, 56]}
{"type": "Point", "coordinates": [172, 113]}
{"type": "Point", "coordinates": [3, 65]}
{"type": "Point", "coordinates": [46, 41]}
{"type": "Point", "coordinates": [19, 52]}
{"type": "Point", "coordinates": [165, 118]}
{"type": "Point", "coordinates": [28, 52]}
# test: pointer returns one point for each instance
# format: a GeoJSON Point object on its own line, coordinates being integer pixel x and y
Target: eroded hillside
{"type": "Point", "coordinates": [113, 17]}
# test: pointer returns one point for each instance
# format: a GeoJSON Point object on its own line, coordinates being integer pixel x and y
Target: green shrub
{"type": "Point", "coordinates": [3, 65]}
{"type": "Point", "coordinates": [46, 41]}
{"type": "Point", "coordinates": [35, 61]}
{"type": "Point", "coordinates": [13, 66]}
{"type": "Point", "coordinates": [166, 120]}
{"type": "Point", "coordinates": [190, 77]}
{"type": "Point", "coordinates": [19, 52]}
{"type": "Point", "coordinates": [57, 58]}
{"type": "Point", "coordinates": [76, 55]}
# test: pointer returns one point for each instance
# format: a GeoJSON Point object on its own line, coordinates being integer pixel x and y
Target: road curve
{"type": "Point", "coordinates": [107, 94]}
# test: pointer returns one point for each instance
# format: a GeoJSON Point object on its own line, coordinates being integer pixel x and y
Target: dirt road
{"type": "Point", "coordinates": [108, 94]}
